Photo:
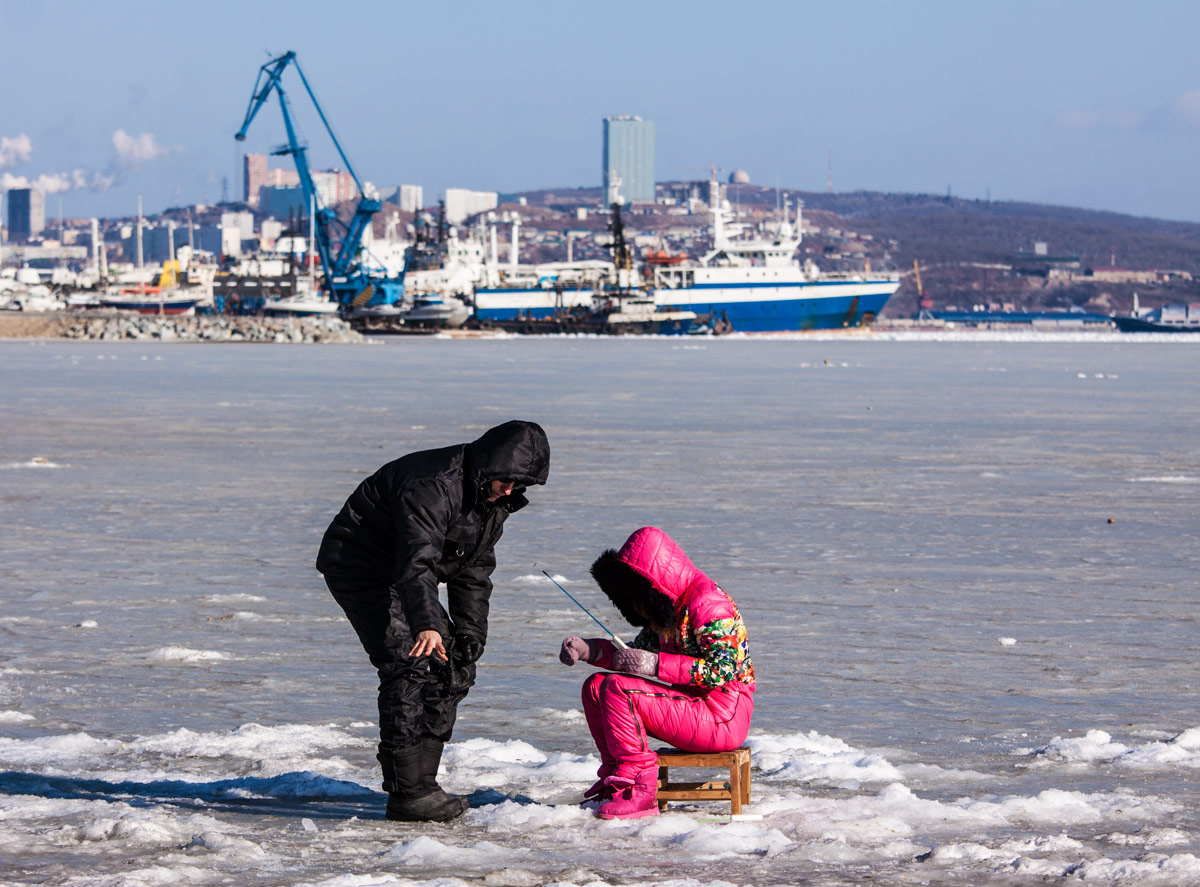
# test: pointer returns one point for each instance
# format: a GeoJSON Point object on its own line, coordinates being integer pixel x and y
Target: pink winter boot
{"type": "Point", "coordinates": [631, 799]}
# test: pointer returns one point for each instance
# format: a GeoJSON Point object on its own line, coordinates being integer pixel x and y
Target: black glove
{"type": "Point", "coordinates": [467, 648]}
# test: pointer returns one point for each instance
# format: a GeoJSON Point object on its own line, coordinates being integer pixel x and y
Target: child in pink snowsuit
{"type": "Point", "coordinates": [692, 639]}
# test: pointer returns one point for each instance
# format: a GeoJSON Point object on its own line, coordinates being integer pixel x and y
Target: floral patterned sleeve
{"type": "Point", "coordinates": [722, 655]}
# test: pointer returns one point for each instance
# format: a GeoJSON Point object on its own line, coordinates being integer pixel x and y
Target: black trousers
{"type": "Point", "coordinates": [418, 696]}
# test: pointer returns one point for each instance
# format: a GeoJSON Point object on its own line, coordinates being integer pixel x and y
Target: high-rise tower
{"type": "Point", "coordinates": [26, 213]}
{"type": "Point", "coordinates": [628, 151]}
{"type": "Point", "coordinates": [254, 176]}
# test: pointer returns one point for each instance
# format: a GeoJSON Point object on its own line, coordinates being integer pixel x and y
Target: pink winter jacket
{"type": "Point", "coordinates": [707, 647]}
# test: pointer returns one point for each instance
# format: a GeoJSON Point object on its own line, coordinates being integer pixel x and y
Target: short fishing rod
{"type": "Point", "coordinates": [616, 640]}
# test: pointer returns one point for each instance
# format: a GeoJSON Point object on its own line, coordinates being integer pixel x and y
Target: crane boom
{"type": "Point", "coordinates": [344, 280]}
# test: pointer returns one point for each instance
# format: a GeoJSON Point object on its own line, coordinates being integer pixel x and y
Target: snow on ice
{"type": "Point", "coordinates": [187, 806]}
{"type": "Point", "coordinates": [540, 579]}
{"type": "Point", "coordinates": [1097, 746]}
{"type": "Point", "coordinates": [184, 654]}
{"type": "Point", "coordinates": [893, 509]}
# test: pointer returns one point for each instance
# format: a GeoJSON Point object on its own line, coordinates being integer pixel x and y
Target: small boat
{"type": "Point", "coordinates": [662, 257]}
{"type": "Point", "coordinates": [30, 298]}
{"type": "Point", "coordinates": [82, 300]}
{"type": "Point", "coordinates": [639, 314]}
{"type": "Point", "coordinates": [307, 301]}
{"type": "Point", "coordinates": [152, 300]}
{"type": "Point", "coordinates": [164, 296]}
{"type": "Point", "coordinates": [430, 309]}
{"type": "Point", "coordinates": [382, 311]}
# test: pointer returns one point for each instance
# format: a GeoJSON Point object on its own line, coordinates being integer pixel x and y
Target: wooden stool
{"type": "Point", "coordinates": [736, 791]}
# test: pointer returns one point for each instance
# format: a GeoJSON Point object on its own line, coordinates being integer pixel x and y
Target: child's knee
{"type": "Point", "coordinates": [591, 688]}
{"type": "Point", "coordinates": [617, 684]}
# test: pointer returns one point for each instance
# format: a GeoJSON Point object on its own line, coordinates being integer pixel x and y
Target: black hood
{"type": "Point", "coordinates": [516, 451]}
{"type": "Point", "coordinates": [623, 585]}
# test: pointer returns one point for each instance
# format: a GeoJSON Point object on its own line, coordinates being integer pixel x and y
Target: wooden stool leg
{"type": "Point", "coordinates": [746, 780]}
{"type": "Point", "coordinates": [735, 787]}
{"type": "Point", "coordinates": [662, 780]}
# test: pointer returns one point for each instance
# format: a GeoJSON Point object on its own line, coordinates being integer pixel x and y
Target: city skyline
{"type": "Point", "coordinates": [1095, 105]}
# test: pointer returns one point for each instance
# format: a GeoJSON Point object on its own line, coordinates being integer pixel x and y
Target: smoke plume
{"type": "Point", "coordinates": [129, 153]}
{"type": "Point", "coordinates": [15, 150]}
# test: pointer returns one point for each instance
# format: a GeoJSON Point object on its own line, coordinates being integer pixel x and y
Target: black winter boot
{"type": "Point", "coordinates": [431, 756]}
{"type": "Point", "coordinates": [409, 799]}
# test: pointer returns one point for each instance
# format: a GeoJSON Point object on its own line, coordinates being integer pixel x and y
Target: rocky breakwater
{"type": "Point", "coordinates": [117, 327]}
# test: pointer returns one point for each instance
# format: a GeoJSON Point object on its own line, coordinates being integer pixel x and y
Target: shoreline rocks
{"type": "Point", "coordinates": [126, 326]}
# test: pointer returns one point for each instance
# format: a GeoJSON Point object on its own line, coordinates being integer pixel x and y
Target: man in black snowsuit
{"type": "Point", "coordinates": [428, 517]}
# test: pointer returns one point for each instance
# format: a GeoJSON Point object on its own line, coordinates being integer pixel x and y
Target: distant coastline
{"type": "Point", "coordinates": [112, 326]}
{"type": "Point", "coordinates": [116, 328]}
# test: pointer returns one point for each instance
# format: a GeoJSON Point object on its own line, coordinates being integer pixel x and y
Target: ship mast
{"type": "Point", "coordinates": [717, 211]}
{"type": "Point", "coordinates": [622, 256]}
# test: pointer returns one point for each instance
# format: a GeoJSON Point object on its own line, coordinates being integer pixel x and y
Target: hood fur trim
{"type": "Point", "coordinates": [623, 585]}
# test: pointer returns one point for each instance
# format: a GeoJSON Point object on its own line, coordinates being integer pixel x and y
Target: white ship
{"type": "Point", "coordinates": [760, 286]}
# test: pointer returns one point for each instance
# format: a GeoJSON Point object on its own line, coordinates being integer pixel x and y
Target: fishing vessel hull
{"type": "Point", "coordinates": [156, 306]}
{"type": "Point", "coordinates": [1142, 325]}
{"type": "Point", "coordinates": [511, 303]}
{"type": "Point", "coordinates": [784, 306]}
{"type": "Point", "coordinates": [299, 306]}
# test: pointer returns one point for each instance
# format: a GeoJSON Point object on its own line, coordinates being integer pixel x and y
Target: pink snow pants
{"type": "Point", "coordinates": [623, 711]}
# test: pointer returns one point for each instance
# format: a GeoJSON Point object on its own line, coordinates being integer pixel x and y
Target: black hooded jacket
{"type": "Point", "coordinates": [424, 518]}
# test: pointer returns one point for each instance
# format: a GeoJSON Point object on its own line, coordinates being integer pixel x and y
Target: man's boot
{"type": "Point", "coordinates": [409, 799]}
{"type": "Point", "coordinates": [431, 757]}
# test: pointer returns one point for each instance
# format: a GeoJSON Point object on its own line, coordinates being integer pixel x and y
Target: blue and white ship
{"type": "Point", "coordinates": [759, 286]}
{"type": "Point", "coordinates": [739, 285]}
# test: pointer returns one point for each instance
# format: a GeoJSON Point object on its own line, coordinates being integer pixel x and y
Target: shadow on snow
{"type": "Point", "coordinates": [297, 794]}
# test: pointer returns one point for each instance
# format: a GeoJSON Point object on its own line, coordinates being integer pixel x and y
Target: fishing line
{"type": "Point", "coordinates": [616, 640]}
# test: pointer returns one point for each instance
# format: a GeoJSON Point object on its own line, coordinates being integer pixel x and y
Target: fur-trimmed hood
{"type": "Point", "coordinates": [649, 574]}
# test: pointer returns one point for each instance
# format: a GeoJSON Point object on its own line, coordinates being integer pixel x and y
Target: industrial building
{"type": "Point", "coordinates": [628, 153]}
{"type": "Point", "coordinates": [282, 202]}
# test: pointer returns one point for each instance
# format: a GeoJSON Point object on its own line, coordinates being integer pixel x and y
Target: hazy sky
{"type": "Point", "coordinates": [1093, 104]}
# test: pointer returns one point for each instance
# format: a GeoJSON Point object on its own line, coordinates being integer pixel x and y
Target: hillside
{"type": "Point", "coordinates": [952, 237]}
{"type": "Point", "coordinates": [970, 251]}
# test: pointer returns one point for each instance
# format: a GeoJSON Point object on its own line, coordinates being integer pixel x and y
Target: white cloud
{"type": "Point", "coordinates": [1186, 108]}
{"type": "Point", "coordinates": [15, 150]}
{"type": "Point", "coordinates": [1108, 118]}
{"type": "Point", "coordinates": [135, 150]}
{"type": "Point", "coordinates": [1182, 111]}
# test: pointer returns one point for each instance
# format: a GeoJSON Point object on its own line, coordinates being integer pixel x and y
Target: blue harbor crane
{"type": "Point", "coordinates": [347, 280]}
